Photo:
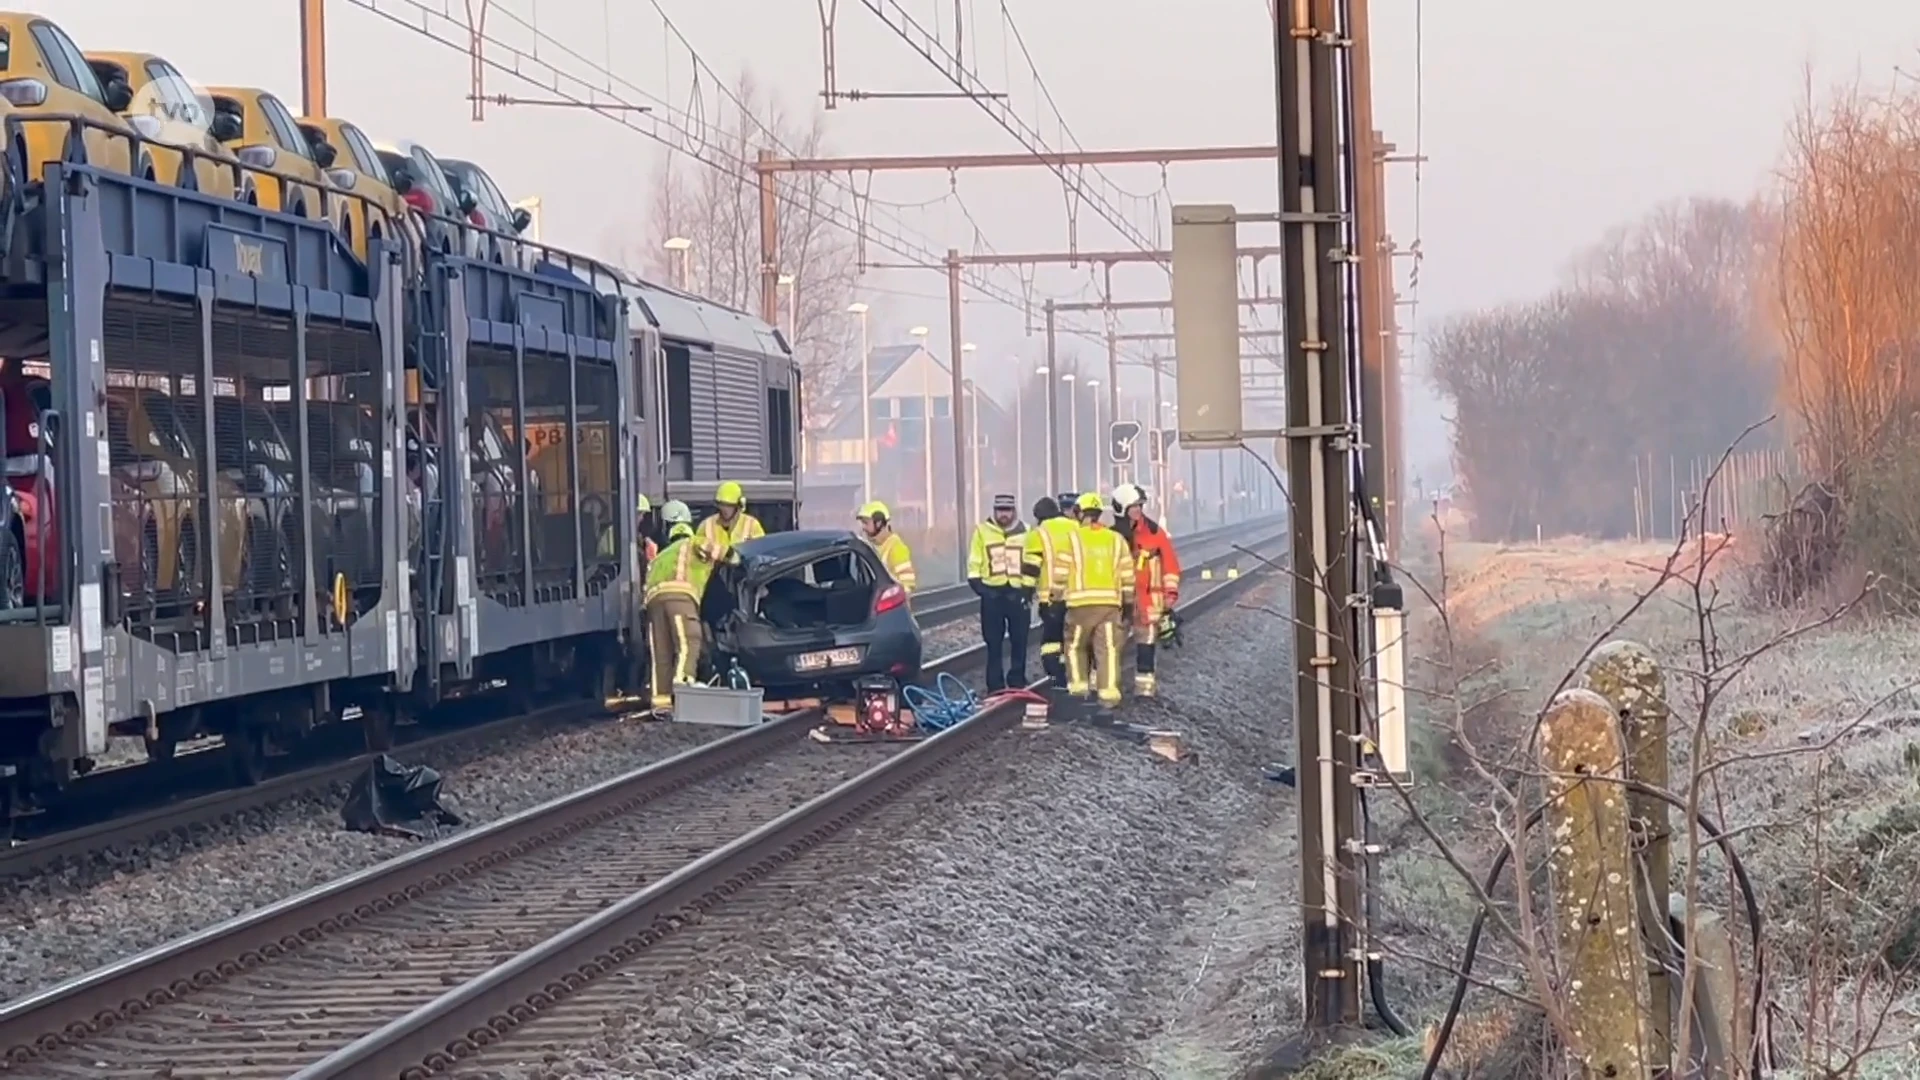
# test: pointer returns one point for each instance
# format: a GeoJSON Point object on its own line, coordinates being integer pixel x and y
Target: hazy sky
{"type": "Point", "coordinates": [1545, 123]}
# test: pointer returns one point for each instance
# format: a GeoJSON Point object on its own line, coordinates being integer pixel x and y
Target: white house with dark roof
{"type": "Point", "coordinates": [906, 385]}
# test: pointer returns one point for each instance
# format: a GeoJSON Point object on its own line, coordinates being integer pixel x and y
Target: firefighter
{"type": "Point", "coordinates": [643, 510]}
{"type": "Point", "coordinates": [877, 523]}
{"type": "Point", "coordinates": [729, 524]}
{"type": "Point", "coordinates": [1156, 576]}
{"type": "Point", "coordinates": [676, 581]}
{"type": "Point", "coordinates": [609, 541]}
{"type": "Point", "coordinates": [997, 574]}
{"type": "Point", "coordinates": [1046, 545]}
{"type": "Point", "coordinates": [1099, 589]}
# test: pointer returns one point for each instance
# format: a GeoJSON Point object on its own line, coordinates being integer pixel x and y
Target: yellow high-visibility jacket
{"type": "Point", "coordinates": [679, 571]}
{"type": "Point", "coordinates": [717, 540]}
{"type": "Point", "coordinates": [1099, 568]}
{"type": "Point", "coordinates": [898, 560]}
{"type": "Point", "coordinates": [995, 556]}
{"type": "Point", "coordinates": [1046, 547]}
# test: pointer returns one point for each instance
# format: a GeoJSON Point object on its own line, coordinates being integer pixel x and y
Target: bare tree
{"type": "Point", "coordinates": [1649, 353]}
{"type": "Point", "coordinates": [719, 212]}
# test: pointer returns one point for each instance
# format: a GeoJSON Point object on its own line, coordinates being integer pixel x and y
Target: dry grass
{"type": "Point", "coordinates": [1523, 616]}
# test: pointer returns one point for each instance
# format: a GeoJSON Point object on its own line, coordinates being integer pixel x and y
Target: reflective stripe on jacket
{"type": "Point", "coordinates": [1099, 568]}
{"type": "Point", "coordinates": [678, 571]}
{"type": "Point", "coordinates": [898, 560]}
{"type": "Point", "coordinates": [717, 539]}
{"type": "Point", "coordinates": [995, 555]}
{"type": "Point", "coordinates": [1156, 569]}
{"type": "Point", "coordinates": [1047, 553]}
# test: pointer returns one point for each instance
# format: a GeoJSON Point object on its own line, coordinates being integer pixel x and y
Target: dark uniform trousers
{"type": "Point", "coordinates": [1053, 638]}
{"type": "Point", "coordinates": [1003, 626]}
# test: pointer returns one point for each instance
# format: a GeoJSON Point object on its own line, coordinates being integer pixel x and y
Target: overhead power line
{"type": "Point", "coordinates": [954, 68]}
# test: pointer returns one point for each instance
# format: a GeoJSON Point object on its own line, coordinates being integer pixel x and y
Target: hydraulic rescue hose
{"type": "Point", "coordinates": [1715, 836]}
{"type": "Point", "coordinates": [951, 701]}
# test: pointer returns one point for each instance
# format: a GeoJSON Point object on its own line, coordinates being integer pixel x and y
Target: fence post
{"type": "Point", "coordinates": [1594, 910]}
{"type": "Point", "coordinates": [1626, 674]}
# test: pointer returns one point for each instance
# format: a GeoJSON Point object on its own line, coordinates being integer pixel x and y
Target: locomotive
{"type": "Point", "coordinates": [259, 484]}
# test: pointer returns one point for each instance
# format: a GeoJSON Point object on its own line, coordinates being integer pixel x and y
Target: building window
{"type": "Point", "coordinates": [908, 408]}
{"type": "Point", "coordinates": [941, 408]}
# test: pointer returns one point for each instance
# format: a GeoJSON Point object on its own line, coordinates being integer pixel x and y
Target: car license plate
{"type": "Point", "coordinates": [831, 658]}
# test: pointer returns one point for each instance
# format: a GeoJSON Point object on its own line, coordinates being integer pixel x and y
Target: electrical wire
{"type": "Point", "coordinates": [667, 124]}
{"type": "Point", "coordinates": [1715, 836]}
{"type": "Point", "coordinates": [1376, 967]}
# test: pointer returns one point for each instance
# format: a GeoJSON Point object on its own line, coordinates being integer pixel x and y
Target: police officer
{"type": "Point", "coordinates": [998, 577]}
{"type": "Point", "coordinates": [1099, 587]}
{"type": "Point", "coordinates": [676, 581]}
{"type": "Point", "coordinates": [876, 524]}
{"type": "Point", "coordinates": [1045, 547]}
{"type": "Point", "coordinates": [729, 524]}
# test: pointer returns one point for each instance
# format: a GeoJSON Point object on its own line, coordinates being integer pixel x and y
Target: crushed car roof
{"type": "Point", "coordinates": [786, 545]}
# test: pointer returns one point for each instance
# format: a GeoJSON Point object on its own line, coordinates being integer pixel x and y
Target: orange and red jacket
{"type": "Point", "coordinates": [1156, 571]}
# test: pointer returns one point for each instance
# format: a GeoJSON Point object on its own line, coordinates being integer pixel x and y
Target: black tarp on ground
{"type": "Point", "coordinates": [396, 800]}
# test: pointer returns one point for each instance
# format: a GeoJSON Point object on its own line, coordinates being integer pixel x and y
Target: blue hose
{"type": "Point", "coordinates": [940, 708]}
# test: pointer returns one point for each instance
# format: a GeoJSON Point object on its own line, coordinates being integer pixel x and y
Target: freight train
{"type": "Point", "coordinates": [260, 483]}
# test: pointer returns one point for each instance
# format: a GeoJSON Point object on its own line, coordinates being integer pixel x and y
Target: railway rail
{"type": "Point", "coordinates": [408, 967]}
{"type": "Point", "coordinates": [182, 816]}
{"type": "Point", "coordinates": [951, 603]}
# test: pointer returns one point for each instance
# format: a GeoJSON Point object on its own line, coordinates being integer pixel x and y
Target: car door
{"type": "Point", "coordinates": [297, 159]}
{"type": "Point", "coordinates": [215, 170]}
{"type": "Point", "coordinates": [76, 90]}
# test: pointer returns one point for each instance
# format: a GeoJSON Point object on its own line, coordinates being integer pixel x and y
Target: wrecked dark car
{"type": "Point", "coordinates": [809, 612]}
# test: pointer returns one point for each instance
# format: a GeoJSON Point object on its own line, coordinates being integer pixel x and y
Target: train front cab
{"type": "Point", "coordinates": [729, 392]}
{"type": "Point", "coordinates": [533, 585]}
{"type": "Point", "coordinates": [216, 510]}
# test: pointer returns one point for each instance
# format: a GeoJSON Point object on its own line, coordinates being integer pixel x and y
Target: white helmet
{"type": "Point", "coordinates": [1127, 495]}
{"type": "Point", "coordinates": [675, 512]}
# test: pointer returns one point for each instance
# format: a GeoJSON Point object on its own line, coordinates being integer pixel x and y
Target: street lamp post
{"type": "Point", "coordinates": [973, 437]}
{"type": "Point", "coordinates": [1073, 431]}
{"type": "Point", "coordinates": [968, 487]}
{"type": "Point", "coordinates": [926, 428]}
{"type": "Point", "coordinates": [1093, 388]}
{"type": "Point", "coordinates": [786, 281]}
{"type": "Point", "coordinates": [683, 265]}
{"type": "Point", "coordinates": [1020, 435]}
{"type": "Point", "coordinates": [860, 309]}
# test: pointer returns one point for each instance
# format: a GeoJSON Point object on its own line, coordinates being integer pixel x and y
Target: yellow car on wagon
{"type": "Point", "coordinates": [180, 124]}
{"type": "Point", "coordinates": [48, 85]}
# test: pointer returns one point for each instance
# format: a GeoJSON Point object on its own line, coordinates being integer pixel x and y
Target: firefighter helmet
{"type": "Point", "coordinates": [641, 505]}
{"type": "Point", "coordinates": [876, 512]}
{"type": "Point", "coordinates": [1090, 502]}
{"type": "Point", "coordinates": [675, 512]}
{"type": "Point", "coordinates": [1127, 495]}
{"type": "Point", "coordinates": [730, 494]}
{"type": "Point", "coordinates": [678, 530]}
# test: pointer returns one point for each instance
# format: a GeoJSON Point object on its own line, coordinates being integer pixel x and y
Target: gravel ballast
{"type": "Point", "coordinates": [1059, 904]}
{"type": "Point", "coordinates": [79, 916]}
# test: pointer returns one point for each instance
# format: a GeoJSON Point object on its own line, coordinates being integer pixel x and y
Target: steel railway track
{"type": "Point", "coordinates": [951, 603]}
{"type": "Point", "coordinates": [186, 815]}
{"type": "Point", "coordinates": [408, 967]}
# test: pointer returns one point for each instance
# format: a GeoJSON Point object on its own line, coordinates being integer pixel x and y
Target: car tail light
{"type": "Point", "coordinates": [478, 218]}
{"type": "Point", "coordinates": [891, 597]}
{"type": "Point", "coordinates": [419, 200]}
